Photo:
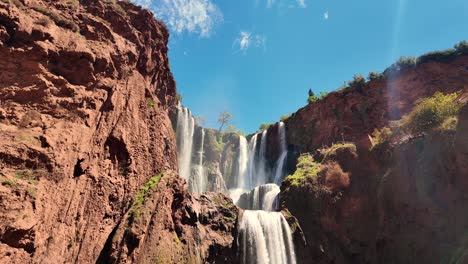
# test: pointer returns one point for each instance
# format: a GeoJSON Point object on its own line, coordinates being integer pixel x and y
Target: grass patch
{"type": "Point", "coordinates": [10, 182]}
{"type": "Point", "coordinates": [57, 18]}
{"type": "Point", "coordinates": [17, 3]}
{"type": "Point", "coordinates": [26, 175]}
{"type": "Point", "coordinates": [139, 199]}
{"type": "Point", "coordinates": [306, 168]}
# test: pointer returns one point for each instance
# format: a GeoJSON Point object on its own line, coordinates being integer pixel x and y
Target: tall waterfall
{"type": "Point", "coordinates": [264, 234]}
{"type": "Point", "coordinates": [185, 131]}
{"type": "Point", "coordinates": [197, 179]}
{"type": "Point", "coordinates": [242, 162]}
{"type": "Point", "coordinates": [265, 237]}
{"type": "Point", "coordinates": [261, 177]}
{"type": "Point", "coordinates": [279, 167]}
{"type": "Point", "coordinates": [251, 164]}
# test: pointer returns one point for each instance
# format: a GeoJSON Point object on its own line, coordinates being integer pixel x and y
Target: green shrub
{"type": "Point", "coordinates": [306, 168]}
{"type": "Point", "coordinates": [17, 3]}
{"type": "Point", "coordinates": [284, 117]}
{"type": "Point", "coordinates": [402, 64]}
{"type": "Point", "coordinates": [431, 112]}
{"type": "Point", "coordinates": [264, 126]}
{"type": "Point", "coordinates": [57, 18]}
{"type": "Point", "coordinates": [312, 99]}
{"type": "Point", "coordinates": [462, 47]}
{"type": "Point", "coordinates": [380, 136]}
{"type": "Point", "coordinates": [150, 102]}
{"type": "Point", "coordinates": [375, 76]}
{"type": "Point", "coordinates": [357, 81]}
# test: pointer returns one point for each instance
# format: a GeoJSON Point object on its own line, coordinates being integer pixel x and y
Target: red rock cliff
{"type": "Point", "coordinates": [86, 140]}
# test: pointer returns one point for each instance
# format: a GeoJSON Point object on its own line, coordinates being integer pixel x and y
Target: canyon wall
{"type": "Point", "coordinates": [87, 149]}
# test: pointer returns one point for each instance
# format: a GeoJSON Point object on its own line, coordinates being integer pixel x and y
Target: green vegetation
{"type": "Point", "coordinates": [150, 102]}
{"type": "Point", "coordinates": [26, 175]}
{"type": "Point", "coordinates": [436, 112]}
{"type": "Point", "coordinates": [139, 199]}
{"type": "Point", "coordinates": [284, 117]}
{"type": "Point", "coordinates": [375, 76]}
{"type": "Point", "coordinates": [380, 136]}
{"type": "Point", "coordinates": [264, 126]}
{"type": "Point", "coordinates": [335, 147]}
{"type": "Point", "coordinates": [10, 182]}
{"type": "Point", "coordinates": [306, 168]}
{"type": "Point", "coordinates": [431, 112]}
{"type": "Point", "coordinates": [313, 98]}
{"type": "Point", "coordinates": [179, 97]}
{"type": "Point", "coordinates": [358, 81]}
{"type": "Point", "coordinates": [403, 63]}
{"type": "Point", "coordinates": [57, 18]}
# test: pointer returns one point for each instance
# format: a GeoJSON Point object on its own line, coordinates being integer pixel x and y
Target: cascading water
{"type": "Point", "coordinates": [242, 162]}
{"type": "Point", "coordinates": [197, 179]}
{"type": "Point", "coordinates": [264, 234]}
{"type": "Point", "coordinates": [263, 197]}
{"type": "Point", "coordinates": [185, 131]}
{"type": "Point", "coordinates": [279, 167]}
{"type": "Point", "coordinates": [261, 177]}
{"type": "Point", "coordinates": [265, 237]}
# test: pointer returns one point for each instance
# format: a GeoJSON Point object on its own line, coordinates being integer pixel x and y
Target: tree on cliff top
{"type": "Point", "coordinates": [224, 119]}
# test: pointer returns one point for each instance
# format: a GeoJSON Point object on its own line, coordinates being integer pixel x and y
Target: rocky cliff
{"type": "Point", "coordinates": [353, 113]}
{"type": "Point", "coordinates": [87, 149]}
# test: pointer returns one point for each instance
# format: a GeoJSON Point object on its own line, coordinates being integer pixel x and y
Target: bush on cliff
{"type": "Point", "coordinates": [431, 112]}
{"type": "Point", "coordinates": [380, 136]}
{"type": "Point", "coordinates": [306, 168]}
{"type": "Point", "coordinates": [358, 81]}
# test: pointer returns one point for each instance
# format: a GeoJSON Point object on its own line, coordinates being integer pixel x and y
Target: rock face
{"type": "Point", "coordinates": [402, 204]}
{"type": "Point", "coordinates": [85, 97]}
{"type": "Point", "coordinates": [354, 113]}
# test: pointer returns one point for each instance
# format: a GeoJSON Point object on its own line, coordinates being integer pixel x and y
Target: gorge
{"type": "Point", "coordinates": [100, 162]}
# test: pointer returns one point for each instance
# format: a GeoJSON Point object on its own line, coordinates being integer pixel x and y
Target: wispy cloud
{"type": "Point", "coordinates": [286, 3]}
{"type": "Point", "coordinates": [247, 39]}
{"type": "Point", "coordinates": [192, 16]}
{"type": "Point", "coordinates": [325, 15]}
{"type": "Point", "coordinates": [301, 3]}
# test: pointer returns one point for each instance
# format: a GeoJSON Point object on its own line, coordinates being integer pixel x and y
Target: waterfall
{"type": "Point", "coordinates": [263, 197]}
{"type": "Point", "coordinates": [197, 180]}
{"type": "Point", "coordinates": [242, 162]}
{"type": "Point", "coordinates": [261, 177]}
{"type": "Point", "coordinates": [251, 164]}
{"type": "Point", "coordinates": [265, 237]}
{"type": "Point", "coordinates": [185, 131]}
{"type": "Point", "coordinates": [279, 167]}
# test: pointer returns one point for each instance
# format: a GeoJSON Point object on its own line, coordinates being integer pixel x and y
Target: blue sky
{"type": "Point", "coordinates": [257, 58]}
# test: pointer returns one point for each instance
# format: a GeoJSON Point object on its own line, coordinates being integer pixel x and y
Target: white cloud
{"type": "Point", "coordinates": [286, 3]}
{"type": "Point", "coordinates": [247, 39]}
{"type": "Point", "coordinates": [325, 15]}
{"type": "Point", "coordinates": [193, 16]}
{"type": "Point", "coordinates": [301, 3]}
